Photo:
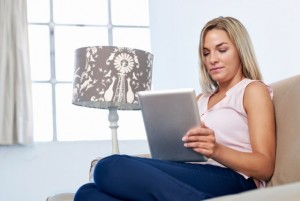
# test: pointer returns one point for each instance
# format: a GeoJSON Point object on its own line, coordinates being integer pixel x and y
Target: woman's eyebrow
{"type": "Point", "coordinates": [218, 45]}
{"type": "Point", "coordinates": [224, 43]}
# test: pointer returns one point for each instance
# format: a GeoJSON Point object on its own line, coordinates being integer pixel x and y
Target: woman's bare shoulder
{"type": "Point", "coordinates": [257, 94]}
{"type": "Point", "coordinates": [257, 87]}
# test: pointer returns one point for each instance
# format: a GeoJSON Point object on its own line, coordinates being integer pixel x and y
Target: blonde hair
{"type": "Point", "coordinates": [241, 40]}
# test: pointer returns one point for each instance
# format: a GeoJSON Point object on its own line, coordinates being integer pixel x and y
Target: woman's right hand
{"type": "Point", "coordinates": [201, 139]}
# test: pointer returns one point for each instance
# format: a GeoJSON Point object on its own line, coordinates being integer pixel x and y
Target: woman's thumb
{"type": "Point", "coordinates": [203, 124]}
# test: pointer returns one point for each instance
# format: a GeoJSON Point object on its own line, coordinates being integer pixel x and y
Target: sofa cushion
{"type": "Point", "coordinates": [287, 112]}
{"type": "Point", "coordinates": [288, 192]}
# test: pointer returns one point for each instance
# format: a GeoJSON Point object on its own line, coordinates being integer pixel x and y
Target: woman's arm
{"type": "Point", "coordinates": [260, 163]}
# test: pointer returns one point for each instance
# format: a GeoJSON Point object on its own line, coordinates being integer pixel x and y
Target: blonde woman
{"type": "Point", "coordinates": [237, 133]}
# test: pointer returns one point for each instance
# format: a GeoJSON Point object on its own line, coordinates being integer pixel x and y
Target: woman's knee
{"type": "Point", "coordinates": [107, 166]}
{"type": "Point", "coordinates": [84, 192]}
{"type": "Point", "coordinates": [106, 163]}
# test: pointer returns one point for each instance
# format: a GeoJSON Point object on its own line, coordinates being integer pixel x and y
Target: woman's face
{"type": "Point", "coordinates": [221, 57]}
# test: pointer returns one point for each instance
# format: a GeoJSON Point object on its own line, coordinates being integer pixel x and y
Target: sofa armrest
{"type": "Point", "coordinates": [92, 168]}
{"type": "Point", "coordinates": [62, 197]}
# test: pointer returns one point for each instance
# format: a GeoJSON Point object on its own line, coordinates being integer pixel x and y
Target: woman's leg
{"type": "Point", "coordinates": [214, 180]}
{"type": "Point", "coordinates": [89, 192]}
{"type": "Point", "coordinates": [130, 179]}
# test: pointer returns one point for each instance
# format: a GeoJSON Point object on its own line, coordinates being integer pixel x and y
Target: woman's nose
{"type": "Point", "coordinates": [213, 58]}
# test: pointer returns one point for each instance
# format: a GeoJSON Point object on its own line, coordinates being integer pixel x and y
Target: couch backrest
{"type": "Point", "coordinates": [287, 112]}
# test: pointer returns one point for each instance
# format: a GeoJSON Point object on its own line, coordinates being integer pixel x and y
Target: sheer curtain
{"type": "Point", "coordinates": [15, 82]}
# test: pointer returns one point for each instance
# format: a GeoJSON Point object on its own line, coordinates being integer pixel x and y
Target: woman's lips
{"type": "Point", "coordinates": [215, 69]}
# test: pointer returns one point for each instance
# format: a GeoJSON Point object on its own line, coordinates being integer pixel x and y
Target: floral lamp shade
{"type": "Point", "coordinates": [110, 76]}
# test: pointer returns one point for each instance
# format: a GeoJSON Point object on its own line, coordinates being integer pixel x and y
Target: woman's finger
{"type": "Point", "coordinates": [196, 138]}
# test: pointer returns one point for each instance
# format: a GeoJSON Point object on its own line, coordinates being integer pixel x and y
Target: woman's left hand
{"type": "Point", "coordinates": [201, 139]}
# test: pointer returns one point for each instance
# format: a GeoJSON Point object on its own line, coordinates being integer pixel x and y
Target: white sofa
{"type": "Point", "coordinates": [285, 182]}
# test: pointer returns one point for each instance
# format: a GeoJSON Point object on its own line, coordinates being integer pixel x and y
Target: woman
{"type": "Point", "coordinates": [237, 132]}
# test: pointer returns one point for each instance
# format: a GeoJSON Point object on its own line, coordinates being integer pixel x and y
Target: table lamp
{"type": "Point", "coordinates": [109, 77]}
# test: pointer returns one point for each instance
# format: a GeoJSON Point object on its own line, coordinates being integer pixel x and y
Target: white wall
{"type": "Point", "coordinates": [176, 25]}
{"type": "Point", "coordinates": [33, 173]}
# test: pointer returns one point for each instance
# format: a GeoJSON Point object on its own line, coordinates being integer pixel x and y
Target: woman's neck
{"type": "Point", "coordinates": [225, 86]}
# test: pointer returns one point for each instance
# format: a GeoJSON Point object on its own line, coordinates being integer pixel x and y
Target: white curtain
{"type": "Point", "coordinates": [16, 126]}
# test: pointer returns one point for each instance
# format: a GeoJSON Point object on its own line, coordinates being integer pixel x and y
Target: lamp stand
{"type": "Point", "coordinates": [113, 118]}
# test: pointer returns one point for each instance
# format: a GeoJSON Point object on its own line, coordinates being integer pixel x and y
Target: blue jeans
{"type": "Point", "coordinates": [127, 178]}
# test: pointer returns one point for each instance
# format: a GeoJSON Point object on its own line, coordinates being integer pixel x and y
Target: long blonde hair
{"type": "Point", "coordinates": [241, 40]}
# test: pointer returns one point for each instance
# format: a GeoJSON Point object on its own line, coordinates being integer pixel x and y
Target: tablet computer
{"type": "Point", "coordinates": [168, 115]}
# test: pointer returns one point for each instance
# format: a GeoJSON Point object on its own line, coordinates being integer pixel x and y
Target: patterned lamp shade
{"type": "Point", "coordinates": [110, 77]}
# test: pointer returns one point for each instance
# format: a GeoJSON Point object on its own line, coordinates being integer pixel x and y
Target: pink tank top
{"type": "Point", "coordinates": [228, 118]}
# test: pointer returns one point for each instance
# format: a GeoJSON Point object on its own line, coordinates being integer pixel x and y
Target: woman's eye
{"type": "Point", "coordinates": [222, 50]}
{"type": "Point", "coordinates": [205, 53]}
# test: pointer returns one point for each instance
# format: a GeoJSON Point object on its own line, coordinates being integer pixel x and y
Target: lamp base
{"type": "Point", "coordinates": [113, 118]}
